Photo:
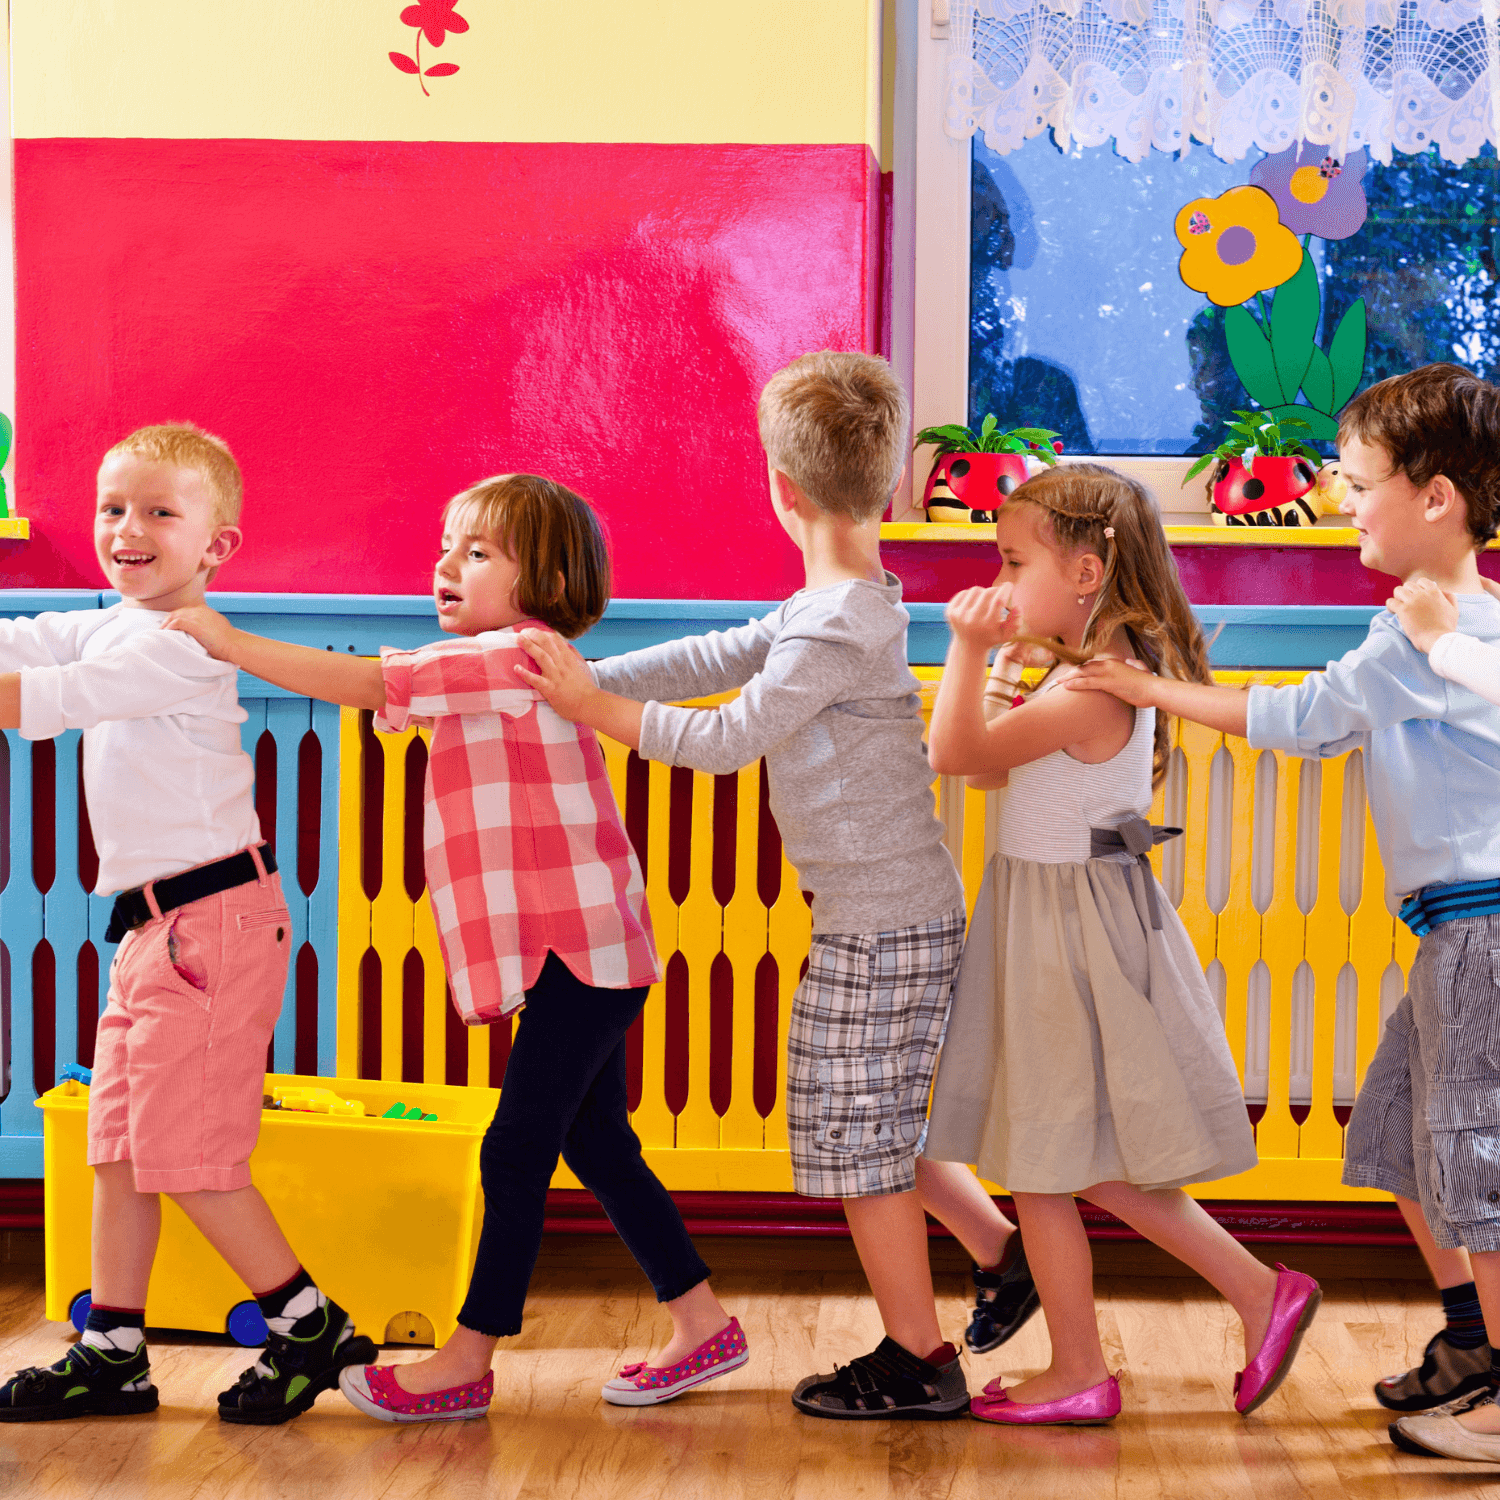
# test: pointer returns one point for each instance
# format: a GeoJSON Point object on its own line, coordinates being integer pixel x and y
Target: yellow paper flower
{"type": "Point", "coordinates": [1235, 245]}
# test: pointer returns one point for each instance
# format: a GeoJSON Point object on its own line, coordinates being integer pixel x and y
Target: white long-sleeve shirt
{"type": "Point", "coordinates": [1469, 662]}
{"type": "Point", "coordinates": [169, 785]}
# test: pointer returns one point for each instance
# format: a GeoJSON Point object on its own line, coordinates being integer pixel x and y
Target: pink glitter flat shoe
{"type": "Point", "coordinates": [373, 1390]}
{"type": "Point", "coordinates": [1091, 1408]}
{"type": "Point", "coordinates": [1296, 1301]}
{"type": "Point", "coordinates": [650, 1385]}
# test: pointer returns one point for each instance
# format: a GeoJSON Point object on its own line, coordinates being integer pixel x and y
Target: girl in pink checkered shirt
{"type": "Point", "coordinates": [540, 908]}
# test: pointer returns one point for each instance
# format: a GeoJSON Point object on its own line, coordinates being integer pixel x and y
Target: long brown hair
{"type": "Point", "coordinates": [1089, 508]}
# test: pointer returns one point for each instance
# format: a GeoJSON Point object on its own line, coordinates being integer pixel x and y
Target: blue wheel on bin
{"type": "Point", "coordinates": [78, 1310]}
{"type": "Point", "coordinates": [246, 1326]}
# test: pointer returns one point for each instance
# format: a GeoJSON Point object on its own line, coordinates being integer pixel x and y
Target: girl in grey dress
{"type": "Point", "coordinates": [1084, 1055]}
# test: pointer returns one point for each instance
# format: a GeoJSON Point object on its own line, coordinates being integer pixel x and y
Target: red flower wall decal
{"type": "Point", "coordinates": [433, 19]}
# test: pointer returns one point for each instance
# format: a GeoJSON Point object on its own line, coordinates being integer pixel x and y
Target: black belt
{"type": "Point", "coordinates": [1138, 837]}
{"type": "Point", "coordinates": [131, 908]}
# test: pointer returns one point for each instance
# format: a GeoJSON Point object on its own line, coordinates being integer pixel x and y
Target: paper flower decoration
{"type": "Point", "coordinates": [1234, 246]}
{"type": "Point", "coordinates": [1315, 193]}
{"type": "Point", "coordinates": [433, 19]}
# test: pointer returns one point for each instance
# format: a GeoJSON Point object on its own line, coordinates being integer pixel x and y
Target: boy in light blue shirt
{"type": "Point", "coordinates": [1421, 453]}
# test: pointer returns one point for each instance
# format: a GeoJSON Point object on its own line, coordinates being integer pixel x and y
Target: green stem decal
{"type": "Point", "coordinates": [1278, 358]}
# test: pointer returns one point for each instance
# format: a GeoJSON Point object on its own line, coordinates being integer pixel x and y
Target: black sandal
{"type": "Point", "coordinates": [1000, 1317]}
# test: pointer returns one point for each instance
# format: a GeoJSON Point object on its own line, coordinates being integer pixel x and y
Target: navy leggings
{"type": "Point", "coordinates": [564, 1094]}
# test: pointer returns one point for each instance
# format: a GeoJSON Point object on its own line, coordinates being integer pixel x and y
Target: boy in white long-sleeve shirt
{"type": "Point", "coordinates": [197, 983]}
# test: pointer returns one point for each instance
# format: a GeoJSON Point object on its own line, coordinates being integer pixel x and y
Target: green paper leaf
{"type": "Point", "coordinates": [1346, 354]}
{"type": "Point", "coordinates": [1317, 381]}
{"type": "Point", "coordinates": [1250, 353]}
{"type": "Point", "coordinates": [1294, 324]}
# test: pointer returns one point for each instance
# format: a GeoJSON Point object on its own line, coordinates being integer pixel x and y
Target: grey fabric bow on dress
{"type": "Point", "coordinates": [1137, 837]}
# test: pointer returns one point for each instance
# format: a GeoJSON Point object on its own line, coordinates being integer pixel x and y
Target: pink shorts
{"type": "Point", "coordinates": [180, 1060]}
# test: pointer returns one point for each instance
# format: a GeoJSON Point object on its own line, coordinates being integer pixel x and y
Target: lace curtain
{"type": "Point", "coordinates": [1233, 74]}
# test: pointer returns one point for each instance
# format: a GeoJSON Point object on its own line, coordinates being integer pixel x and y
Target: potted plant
{"type": "Point", "coordinates": [974, 472]}
{"type": "Point", "coordinates": [1265, 474]}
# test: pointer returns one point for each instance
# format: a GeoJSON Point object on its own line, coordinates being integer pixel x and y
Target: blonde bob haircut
{"type": "Point", "coordinates": [553, 535]}
{"type": "Point", "coordinates": [835, 424]}
{"type": "Point", "coordinates": [188, 447]}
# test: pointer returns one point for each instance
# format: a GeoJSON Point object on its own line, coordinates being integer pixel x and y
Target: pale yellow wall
{"type": "Point", "coordinates": [752, 71]}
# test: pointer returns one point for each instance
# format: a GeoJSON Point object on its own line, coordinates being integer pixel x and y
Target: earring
{"type": "Point", "coordinates": [1083, 599]}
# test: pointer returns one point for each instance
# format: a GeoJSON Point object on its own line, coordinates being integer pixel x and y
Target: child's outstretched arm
{"type": "Point", "coordinates": [1224, 709]}
{"type": "Point", "coordinates": [1430, 619]}
{"type": "Point", "coordinates": [963, 742]}
{"type": "Point", "coordinates": [564, 680]}
{"type": "Point", "coordinates": [1426, 613]}
{"type": "Point", "coordinates": [349, 680]}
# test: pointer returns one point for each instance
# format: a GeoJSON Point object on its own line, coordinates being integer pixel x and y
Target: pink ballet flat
{"type": "Point", "coordinates": [1297, 1299]}
{"type": "Point", "coordinates": [373, 1390]}
{"type": "Point", "coordinates": [1091, 1408]}
{"type": "Point", "coordinates": [650, 1385]}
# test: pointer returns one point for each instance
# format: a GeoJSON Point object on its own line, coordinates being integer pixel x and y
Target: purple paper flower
{"type": "Point", "coordinates": [1315, 192]}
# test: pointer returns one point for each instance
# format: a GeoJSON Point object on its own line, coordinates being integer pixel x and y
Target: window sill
{"type": "Point", "coordinates": [1177, 536]}
{"type": "Point", "coordinates": [18, 529]}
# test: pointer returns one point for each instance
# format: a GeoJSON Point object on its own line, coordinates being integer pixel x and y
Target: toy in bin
{"type": "Point", "coordinates": [314, 1101]}
{"type": "Point", "coordinates": [338, 1167]}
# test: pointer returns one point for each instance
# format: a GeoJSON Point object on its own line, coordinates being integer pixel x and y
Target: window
{"type": "Point", "coordinates": [1079, 320]}
{"type": "Point", "coordinates": [1044, 282]}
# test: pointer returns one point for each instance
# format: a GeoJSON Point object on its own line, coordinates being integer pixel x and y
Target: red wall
{"type": "Point", "coordinates": [374, 326]}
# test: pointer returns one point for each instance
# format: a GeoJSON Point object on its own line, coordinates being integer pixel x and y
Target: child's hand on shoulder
{"type": "Point", "coordinates": [561, 677]}
{"type": "Point", "coordinates": [206, 626]}
{"type": "Point", "coordinates": [1130, 681]}
{"type": "Point", "coordinates": [1425, 612]}
{"type": "Point", "coordinates": [982, 616]}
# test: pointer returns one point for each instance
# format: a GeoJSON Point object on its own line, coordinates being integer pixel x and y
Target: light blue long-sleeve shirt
{"type": "Point", "coordinates": [1432, 748]}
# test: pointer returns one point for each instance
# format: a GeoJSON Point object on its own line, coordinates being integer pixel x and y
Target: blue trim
{"type": "Point", "coordinates": [21, 1155]}
{"type": "Point", "coordinates": [1253, 635]}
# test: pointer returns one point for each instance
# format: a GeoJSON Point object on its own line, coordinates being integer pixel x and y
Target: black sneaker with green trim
{"type": "Point", "coordinates": [85, 1382]}
{"type": "Point", "coordinates": [295, 1370]}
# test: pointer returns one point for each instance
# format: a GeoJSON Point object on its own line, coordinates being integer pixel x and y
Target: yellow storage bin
{"type": "Point", "coordinates": [385, 1214]}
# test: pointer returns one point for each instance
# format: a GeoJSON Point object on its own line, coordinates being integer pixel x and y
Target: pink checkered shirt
{"type": "Point", "coordinates": [525, 849]}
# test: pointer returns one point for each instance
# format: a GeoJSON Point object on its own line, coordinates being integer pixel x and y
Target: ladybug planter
{"type": "Point", "coordinates": [971, 486]}
{"type": "Point", "coordinates": [975, 471]}
{"type": "Point", "coordinates": [1277, 492]}
{"type": "Point", "coordinates": [1264, 473]}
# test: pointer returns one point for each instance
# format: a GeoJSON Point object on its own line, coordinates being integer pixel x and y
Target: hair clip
{"type": "Point", "coordinates": [1109, 531]}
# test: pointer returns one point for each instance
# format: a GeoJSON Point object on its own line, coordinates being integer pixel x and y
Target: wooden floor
{"type": "Point", "coordinates": [803, 1307]}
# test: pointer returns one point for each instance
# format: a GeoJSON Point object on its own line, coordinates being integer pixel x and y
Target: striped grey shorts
{"type": "Point", "coordinates": [1426, 1124]}
{"type": "Point", "coordinates": [867, 1023]}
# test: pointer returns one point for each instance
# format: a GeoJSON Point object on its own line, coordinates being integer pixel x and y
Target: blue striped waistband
{"type": "Point", "coordinates": [1435, 904]}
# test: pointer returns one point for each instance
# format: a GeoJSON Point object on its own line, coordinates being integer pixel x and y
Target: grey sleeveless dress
{"type": "Point", "coordinates": [1083, 1045]}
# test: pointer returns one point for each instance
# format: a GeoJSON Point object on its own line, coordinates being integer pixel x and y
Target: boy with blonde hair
{"type": "Point", "coordinates": [828, 699]}
{"type": "Point", "coordinates": [1421, 453]}
{"type": "Point", "coordinates": [197, 983]}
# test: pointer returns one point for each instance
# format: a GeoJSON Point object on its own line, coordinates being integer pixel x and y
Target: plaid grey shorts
{"type": "Point", "coordinates": [867, 1023]}
{"type": "Point", "coordinates": [1426, 1124]}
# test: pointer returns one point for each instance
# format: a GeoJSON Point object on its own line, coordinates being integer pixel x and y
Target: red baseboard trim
{"type": "Point", "coordinates": [574, 1212]}
{"type": "Point", "coordinates": [773, 1214]}
{"type": "Point", "coordinates": [20, 1203]}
